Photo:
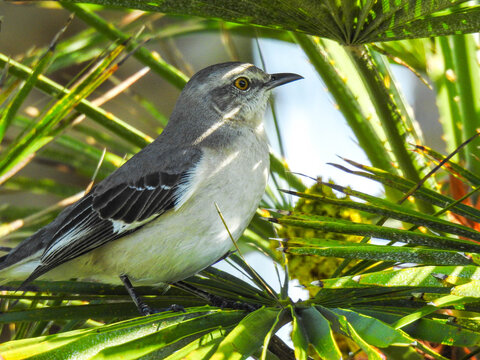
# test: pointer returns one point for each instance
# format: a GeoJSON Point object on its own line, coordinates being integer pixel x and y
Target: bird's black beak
{"type": "Point", "coordinates": [280, 79]}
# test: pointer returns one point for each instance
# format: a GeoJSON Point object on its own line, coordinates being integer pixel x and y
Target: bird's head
{"type": "Point", "coordinates": [231, 91]}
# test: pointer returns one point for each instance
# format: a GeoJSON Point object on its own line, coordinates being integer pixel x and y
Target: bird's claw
{"type": "Point", "coordinates": [147, 310]}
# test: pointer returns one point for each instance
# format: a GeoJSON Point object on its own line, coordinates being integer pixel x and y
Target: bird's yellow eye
{"type": "Point", "coordinates": [242, 83]}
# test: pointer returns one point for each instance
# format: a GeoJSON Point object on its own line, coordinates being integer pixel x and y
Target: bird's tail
{"type": "Point", "coordinates": [3, 265]}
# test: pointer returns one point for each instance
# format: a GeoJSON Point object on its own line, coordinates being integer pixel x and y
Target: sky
{"type": "Point", "coordinates": [314, 131]}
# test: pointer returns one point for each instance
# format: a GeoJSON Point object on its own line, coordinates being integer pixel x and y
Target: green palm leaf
{"type": "Point", "coordinates": [348, 22]}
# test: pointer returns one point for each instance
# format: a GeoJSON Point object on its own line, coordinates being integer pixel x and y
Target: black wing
{"type": "Point", "coordinates": [132, 202]}
{"type": "Point", "coordinates": [121, 204]}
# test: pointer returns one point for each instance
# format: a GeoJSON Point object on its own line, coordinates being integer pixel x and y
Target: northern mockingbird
{"type": "Point", "coordinates": [154, 219]}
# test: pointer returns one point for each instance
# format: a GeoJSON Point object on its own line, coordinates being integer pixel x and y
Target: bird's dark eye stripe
{"type": "Point", "coordinates": [242, 83]}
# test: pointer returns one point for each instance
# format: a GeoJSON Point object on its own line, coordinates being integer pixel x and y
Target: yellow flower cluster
{"type": "Point", "coordinates": [310, 268]}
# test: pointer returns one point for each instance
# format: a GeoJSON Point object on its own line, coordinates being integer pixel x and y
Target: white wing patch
{"type": "Point", "coordinates": [147, 187]}
{"type": "Point", "coordinates": [120, 226]}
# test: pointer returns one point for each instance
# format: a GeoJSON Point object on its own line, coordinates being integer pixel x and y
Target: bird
{"type": "Point", "coordinates": [155, 220]}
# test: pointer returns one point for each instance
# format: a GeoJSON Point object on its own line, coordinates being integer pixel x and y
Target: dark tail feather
{"type": "Point", "coordinates": [4, 257]}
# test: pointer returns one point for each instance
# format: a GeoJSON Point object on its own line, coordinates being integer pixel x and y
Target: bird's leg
{"type": "Point", "coordinates": [216, 300]}
{"type": "Point", "coordinates": [143, 308]}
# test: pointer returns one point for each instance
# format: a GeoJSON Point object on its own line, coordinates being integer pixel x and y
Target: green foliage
{"type": "Point", "coordinates": [307, 269]}
{"type": "Point", "coordinates": [375, 297]}
{"type": "Point", "coordinates": [348, 22]}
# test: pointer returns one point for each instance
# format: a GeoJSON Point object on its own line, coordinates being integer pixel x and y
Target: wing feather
{"type": "Point", "coordinates": [127, 206]}
{"type": "Point", "coordinates": [134, 212]}
{"type": "Point", "coordinates": [119, 205]}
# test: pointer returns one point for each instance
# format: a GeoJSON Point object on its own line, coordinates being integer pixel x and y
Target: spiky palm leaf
{"type": "Point", "coordinates": [381, 309]}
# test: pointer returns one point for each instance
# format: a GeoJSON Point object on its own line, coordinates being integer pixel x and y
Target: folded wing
{"type": "Point", "coordinates": [120, 205]}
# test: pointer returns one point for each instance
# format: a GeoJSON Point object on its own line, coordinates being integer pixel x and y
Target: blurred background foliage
{"type": "Point", "coordinates": [391, 275]}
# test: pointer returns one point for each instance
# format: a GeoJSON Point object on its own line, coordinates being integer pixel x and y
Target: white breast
{"type": "Point", "coordinates": [192, 236]}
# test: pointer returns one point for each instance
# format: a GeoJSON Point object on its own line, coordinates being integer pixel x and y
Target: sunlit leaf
{"type": "Point", "coordinates": [376, 21]}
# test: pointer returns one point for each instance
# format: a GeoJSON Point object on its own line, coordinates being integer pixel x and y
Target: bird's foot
{"type": "Point", "coordinates": [143, 308]}
{"type": "Point", "coordinates": [176, 308]}
{"type": "Point", "coordinates": [223, 303]}
{"type": "Point", "coordinates": [216, 300]}
{"type": "Point", "coordinates": [173, 308]}
{"type": "Point", "coordinates": [147, 310]}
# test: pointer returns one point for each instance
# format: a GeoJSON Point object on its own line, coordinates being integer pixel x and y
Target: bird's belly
{"type": "Point", "coordinates": [187, 239]}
